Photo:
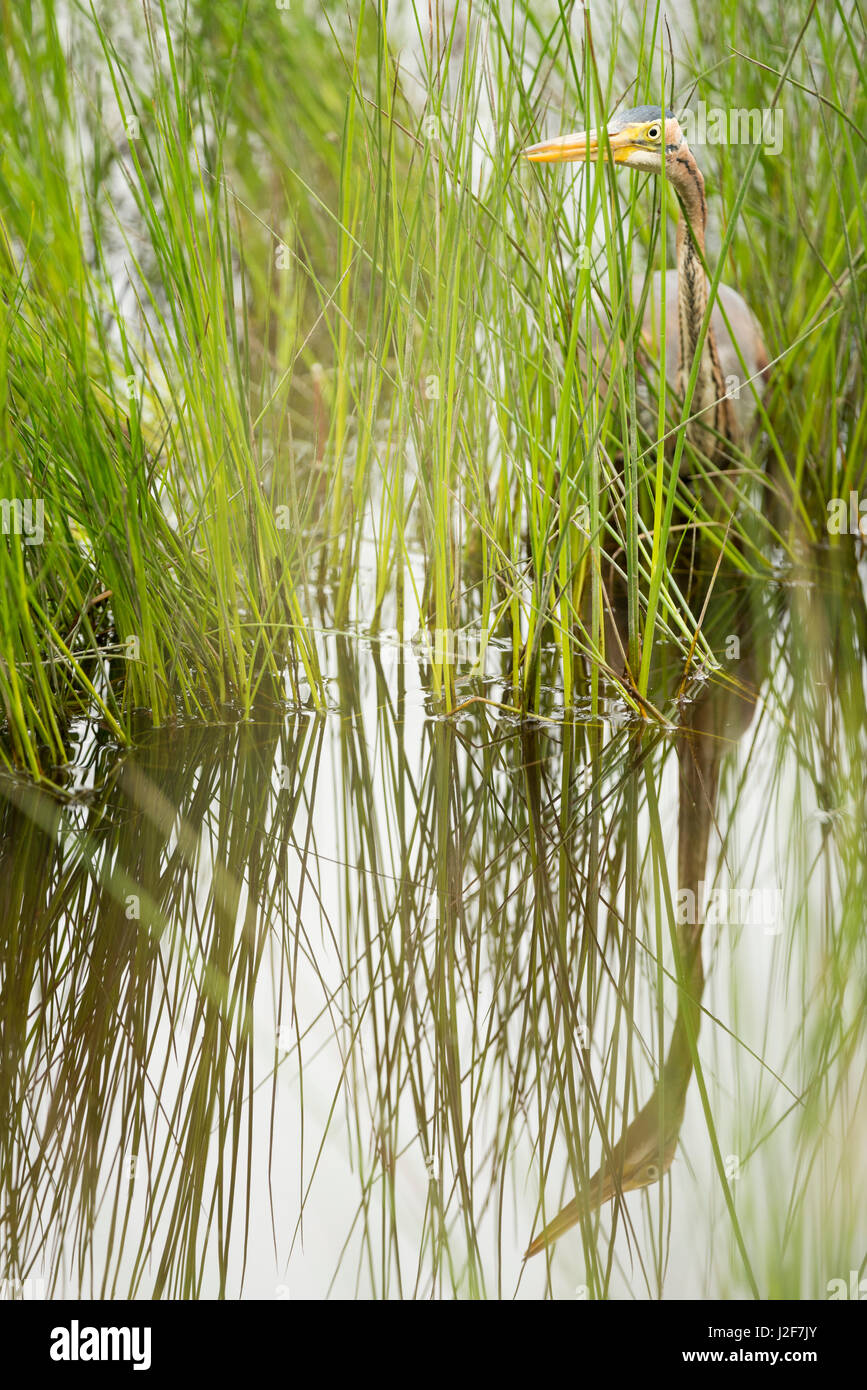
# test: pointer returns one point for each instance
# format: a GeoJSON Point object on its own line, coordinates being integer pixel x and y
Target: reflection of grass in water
{"type": "Point", "coordinates": [443, 1041]}
{"type": "Point", "coordinates": [804, 1146]}
{"type": "Point", "coordinates": [293, 310]}
{"type": "Point", "coordinates": [123, 956]}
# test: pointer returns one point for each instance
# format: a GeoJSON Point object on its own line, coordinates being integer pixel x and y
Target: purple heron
{"type": "Point", "coordinates": [723, 405]}
{"type": "Point", "coordinates": [642, 139]}
{"type": "Point", "coordinates": [643, 1154]}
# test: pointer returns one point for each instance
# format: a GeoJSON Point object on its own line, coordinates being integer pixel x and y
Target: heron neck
{"type": "Point", "coordinates": [707, 400]}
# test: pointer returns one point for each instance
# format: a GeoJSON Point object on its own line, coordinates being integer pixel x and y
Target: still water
{"type": "Point", "coordinates": [353, 1004]}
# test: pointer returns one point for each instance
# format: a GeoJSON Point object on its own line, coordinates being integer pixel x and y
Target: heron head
{"type": "Point", "coordinates": [641, 1157]}
{"type": "Point", "coordinates": [639, 139]}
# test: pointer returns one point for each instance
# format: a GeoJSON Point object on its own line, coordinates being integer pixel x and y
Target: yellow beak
{"type": "Point", "coordinates": [600, 1189]}
{"type": "Point", "coordinates": [584, 144]}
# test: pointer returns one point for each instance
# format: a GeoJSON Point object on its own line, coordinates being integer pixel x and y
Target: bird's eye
{"type": "Point", "coordinates": [651, 1172]}
{"type": "Point", "coordinates": [653, 132]}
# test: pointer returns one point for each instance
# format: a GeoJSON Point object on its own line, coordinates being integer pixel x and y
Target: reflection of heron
{"type": "Point", "coordinates": [636, 139]}
{"type": "Point", "coordinates": [646, 1148]}
{"type": "Point", "coordinates": [644, 1152]}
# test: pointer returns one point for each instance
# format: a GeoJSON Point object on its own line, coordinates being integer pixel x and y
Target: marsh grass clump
{"type": "Point", "coordinates": [298, 345]}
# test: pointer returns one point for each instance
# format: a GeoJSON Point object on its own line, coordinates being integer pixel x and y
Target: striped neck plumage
{"type": "Point", "coordinates": [708, 401]}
